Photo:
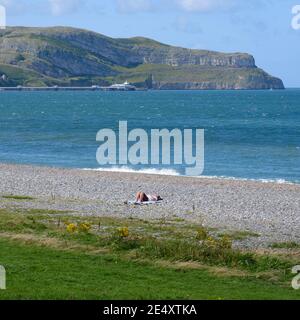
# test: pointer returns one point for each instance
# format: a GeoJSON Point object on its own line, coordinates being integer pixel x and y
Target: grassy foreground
{"type": "Point", "coordinates": [58, 255]}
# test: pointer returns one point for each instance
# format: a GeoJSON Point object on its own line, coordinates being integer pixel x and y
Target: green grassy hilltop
{"type": "Point", "coordinates": [75, 57]}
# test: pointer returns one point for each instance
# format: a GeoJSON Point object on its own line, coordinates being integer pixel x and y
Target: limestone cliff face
{"type": "Point", "coordinates": [219, 85]}
{"type": "Point", "coordinates": [66, 55]}
{"type": "Point", "coordinates": [180, 56]}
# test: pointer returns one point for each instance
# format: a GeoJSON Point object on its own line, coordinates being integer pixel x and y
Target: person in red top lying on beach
{"type": "Point", "coordinates": [143, 197]}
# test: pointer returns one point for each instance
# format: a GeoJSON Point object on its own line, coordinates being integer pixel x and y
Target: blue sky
{"type": "Point", "coordinates": [260, 27]}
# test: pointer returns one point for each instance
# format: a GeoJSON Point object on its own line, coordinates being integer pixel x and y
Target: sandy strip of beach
{"type": "Point", "coordinates": [271, 210]}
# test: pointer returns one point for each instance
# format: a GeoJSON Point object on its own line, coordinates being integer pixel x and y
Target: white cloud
{"type": "Point", "coordinates": [129, 6]}
{"type": "Point", "coordinates": [54, 7]}
{"type": "Point", "coordinates": [13, 6]}
{"type": "Point", "coordinates": [203, 5]}
{"type": "Point", "coordinates": [60, 7]}
{"type": "Point", "coordinates": [126, 6]}
{"type": "Point", "coordinates": [6, 3]}
{"type": "Point", "coordinates": [183, 24]}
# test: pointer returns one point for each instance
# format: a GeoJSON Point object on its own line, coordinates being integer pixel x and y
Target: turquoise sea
{"type": "Point", "coordinates": [248, 134]}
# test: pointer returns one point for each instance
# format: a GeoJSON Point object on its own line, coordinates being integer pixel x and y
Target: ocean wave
{"type": "Point", "coordinates": [165, 172]}
{"type": "Point", "coordinates": [172, 172]}
{"type": "Point", "coordinates": [279, 181]}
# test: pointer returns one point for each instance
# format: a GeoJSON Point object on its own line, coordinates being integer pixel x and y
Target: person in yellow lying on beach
{"type": "Point", "coordinates": [143, 197]}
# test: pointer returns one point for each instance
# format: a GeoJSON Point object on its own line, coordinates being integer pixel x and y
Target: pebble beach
{"type": "Point", "coordinates": [269, 210]}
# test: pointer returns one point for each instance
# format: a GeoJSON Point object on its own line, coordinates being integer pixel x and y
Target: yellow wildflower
{"type": "Point", "coordinates": [211, 242]}
{"type": "Point", "coordinates": [123, 232]}
{"type": "Point", "coordinates": [84, 227]}
{"type": "Point", "coordinates": [202, 234]}
{"type": "Point", "coordinates": [71, 227]}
